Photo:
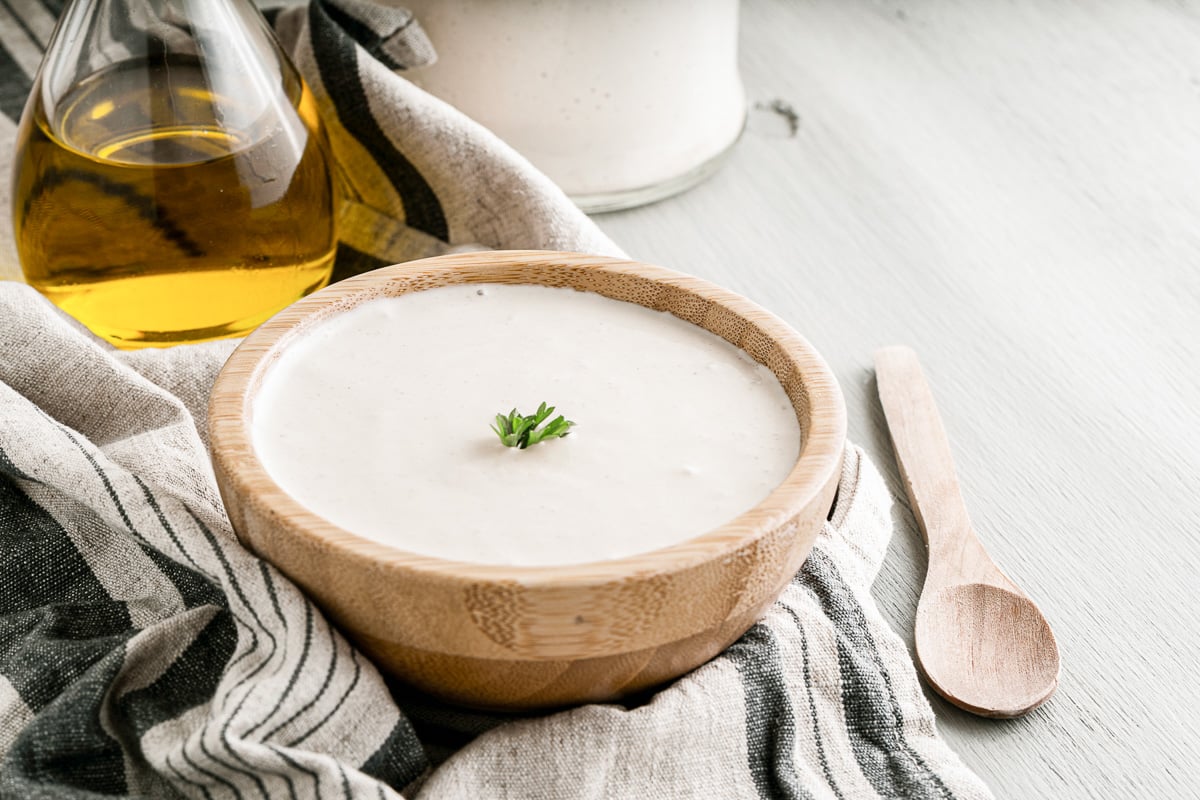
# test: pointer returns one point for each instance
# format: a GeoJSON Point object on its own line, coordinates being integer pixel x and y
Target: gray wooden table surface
{"type": "Point", "coordinates": [1014, 190]}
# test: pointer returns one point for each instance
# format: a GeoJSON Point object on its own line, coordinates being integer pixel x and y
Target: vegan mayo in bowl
{"type": "Point", "coordinates": [352, 442]}
{"type": "Point", "coordinates": [378, 420]}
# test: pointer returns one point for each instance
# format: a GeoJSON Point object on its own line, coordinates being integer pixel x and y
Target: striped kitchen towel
{"type": "Point", "coordinates": [144, 652]}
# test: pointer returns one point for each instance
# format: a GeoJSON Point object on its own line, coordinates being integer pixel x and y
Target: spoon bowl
{"type": "Point", "coordinates": [986, 648]}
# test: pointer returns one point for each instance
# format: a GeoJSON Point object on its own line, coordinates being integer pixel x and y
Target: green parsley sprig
{"type": "Point", "coordinates": [516, 430]}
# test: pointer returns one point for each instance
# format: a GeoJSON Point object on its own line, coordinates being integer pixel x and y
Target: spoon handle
{"type": "Point", "coordinates": [927, 469]}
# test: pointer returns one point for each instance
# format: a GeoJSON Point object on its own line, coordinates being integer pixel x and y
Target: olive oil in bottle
{"type": "Point", "coordinates": [155, 209]}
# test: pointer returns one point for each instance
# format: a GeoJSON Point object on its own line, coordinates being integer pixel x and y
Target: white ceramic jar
{"type": "Point", "coordinates": [620, 102]}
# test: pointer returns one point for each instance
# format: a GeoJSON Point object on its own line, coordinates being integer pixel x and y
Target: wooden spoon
{"type": "Point", "coordinates": [981, 642]}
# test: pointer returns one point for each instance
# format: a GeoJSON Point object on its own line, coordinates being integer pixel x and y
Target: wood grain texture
{"type": "Point", "coordinates": [529, 637]}
{"type": "Point", "coordinates": [981, 642]}
{"type": "Point", "coordinates": [1011, 189]}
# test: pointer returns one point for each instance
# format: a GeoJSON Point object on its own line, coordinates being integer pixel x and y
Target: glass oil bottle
{"type": "Point", "coordinates": [171, 182]}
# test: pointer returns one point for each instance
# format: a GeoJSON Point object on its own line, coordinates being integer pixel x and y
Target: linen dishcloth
{"type": "Point", "coordinates": [144, 651]}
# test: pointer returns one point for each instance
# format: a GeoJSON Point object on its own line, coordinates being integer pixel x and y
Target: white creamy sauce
{"type": "Point", "coordinates": [378, 420]}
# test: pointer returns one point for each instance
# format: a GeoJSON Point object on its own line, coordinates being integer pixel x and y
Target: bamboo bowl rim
{"type": "Point", "coordinates": [230, 416]}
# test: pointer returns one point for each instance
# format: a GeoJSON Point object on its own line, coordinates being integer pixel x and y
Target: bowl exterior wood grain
{"type": "Point", "coordinates": [537, 637]}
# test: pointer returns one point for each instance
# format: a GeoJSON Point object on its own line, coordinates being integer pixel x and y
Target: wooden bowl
{"type": "Point", "coordinates": [505, 637]}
